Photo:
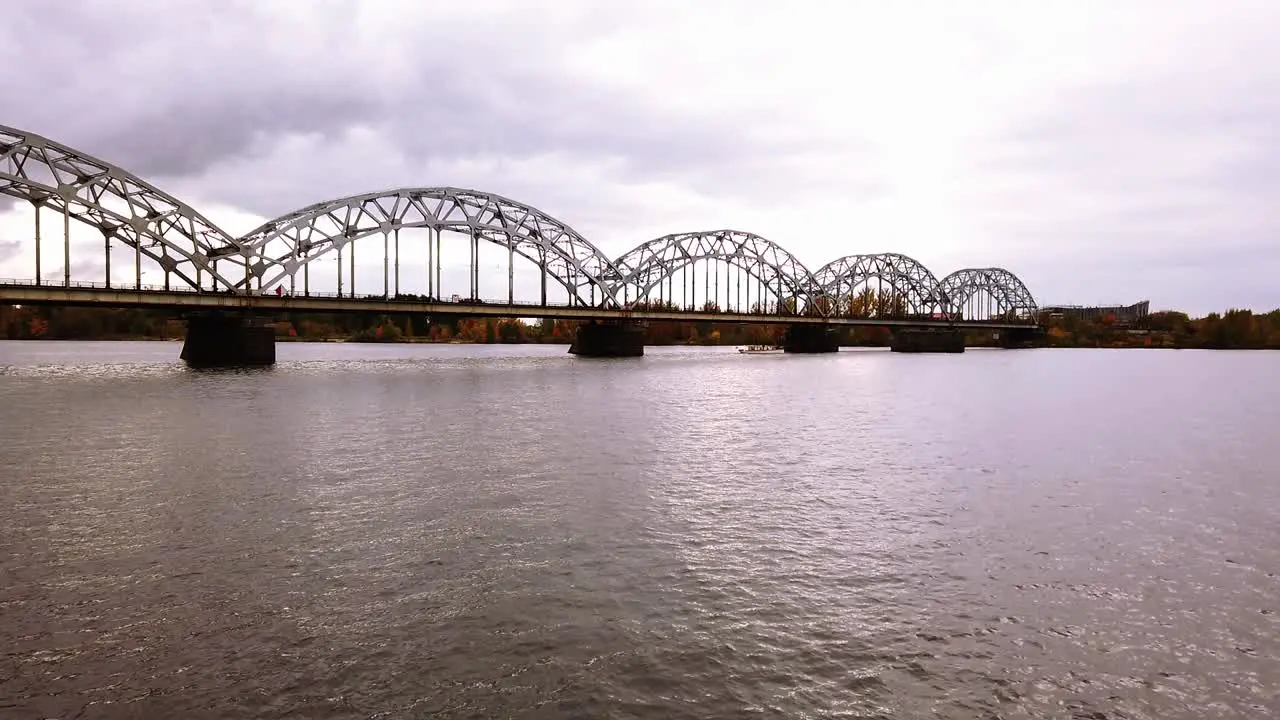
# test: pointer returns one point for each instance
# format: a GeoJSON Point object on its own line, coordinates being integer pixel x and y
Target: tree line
{"type": "Point", "coordinates": [1232, 329]}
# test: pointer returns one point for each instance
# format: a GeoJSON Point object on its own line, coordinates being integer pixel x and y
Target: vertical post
{"type": "Point", "coordinates": [397, 261]}
{"type": "Point", "coordinates": [66, 244]}
{"type": "Point", "coordinates": [386, 262]}
{"type": "Point", "coordinates": [339, 272]}
{"type": "Point", "coordinates": [293, 283]}
{"type": "Point", "coordinates": [106, 254]}
{"type": "Point", "coordinates": [137, 263]}
{"type": "Point", "coordinates": [39, 280]}
{"type": "Point", "coordinates": [439, 286]}
{"type": "Point", "coordinates": [511, 271]}
{"type": "Point", "coordinates": [306, 279]}
{"type": "Point", "coordinates": [542, 254]}
{"type": "Point", "coordinates": [248, 287]}
{"type": "Point", "coordinates": [353, 268]}
{"type": "Point", "coordinates": [166, 277]}
{"type": "Point", "coordinates": [475, 247]}
{"type": "Point", "coordinates": [431, 268]}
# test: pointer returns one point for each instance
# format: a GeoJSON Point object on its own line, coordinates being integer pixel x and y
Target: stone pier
{"type": "Point", "coordinates": [1021, 337]}
{"type": "Point", "coordinates": [911, 340]}
{"type": "Point", "coordinates": [228, 340]}
{"type": "Point", "coordinates": [608, 339]}
{"type": "Point", "coordinates": [806, 338]}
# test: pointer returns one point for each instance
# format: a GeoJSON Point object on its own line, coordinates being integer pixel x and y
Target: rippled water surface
{"type": "Point", "coordinates": [461, 531]}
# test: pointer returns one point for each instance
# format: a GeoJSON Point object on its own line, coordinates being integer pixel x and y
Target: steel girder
{"type": "Point", "coordinates": [644, 267]}
{"type": "Point", "coordinates": [1009, 292]}
{"type": "Point", "coordinates": [286, 243]}
{"type": "Point", "coordinates": [119, 204]}
{"type": "Point", "coordinates": [915, 288]}
{"type": "Point", "coordinates": [183, 242]}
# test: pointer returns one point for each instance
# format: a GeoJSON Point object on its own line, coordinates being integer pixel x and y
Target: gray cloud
{"type": "Point", "coordinates": [88, 270]}
{"type": "Point", "coordinates": [169, 100]}
{"type": "Point", "coordinates": [9, 250]}
{"type": "Point", "coordinates": [1140, 189]}
{"type": "Point", "coordinates": [1118, 182]}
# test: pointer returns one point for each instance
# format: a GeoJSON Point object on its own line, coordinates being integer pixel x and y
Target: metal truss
{"type": "Point", "coordinates": [288, 243]}
{"type": "Point", "coordinates": [912, 288]}
{"type": "Point", "coordinates": [120, 205]}
{"type": "Point", "coordinates": [775, 271]}
{"type": "Point", "coordinates": [1000, 291]}
{"type": "Point", "coordinates": [132, 212]}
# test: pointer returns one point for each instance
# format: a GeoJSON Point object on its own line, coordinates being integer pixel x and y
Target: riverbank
{"type": "Point", "coordinates": [1235, 329]}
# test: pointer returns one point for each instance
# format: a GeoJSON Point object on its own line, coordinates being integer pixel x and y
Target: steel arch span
{"type": "Point", "coordinates": [289, 242]}
{"type": "Point", "coordinates": [914, 289]}
{"type": "Point", "coordinates": [996, 291]}
{"type": "Point", "coordinates": [774, 270]}
{"type": "Point", "coordinates": [122, 206]}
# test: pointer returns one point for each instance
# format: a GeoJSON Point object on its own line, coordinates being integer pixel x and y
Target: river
{"type": "Point", "coordinates": [404, 531]}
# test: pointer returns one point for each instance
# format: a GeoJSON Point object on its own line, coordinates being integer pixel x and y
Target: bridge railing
{"type": "Point", "coordinates": [456, 301]}
{"type": "Point", "coordinates": [376, 297]}
{"type": "Point", "coordinates": [26, 283]}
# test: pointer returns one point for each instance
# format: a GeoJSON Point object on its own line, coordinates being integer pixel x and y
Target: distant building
{"type": "Point", "coordinates": [1122, 314]}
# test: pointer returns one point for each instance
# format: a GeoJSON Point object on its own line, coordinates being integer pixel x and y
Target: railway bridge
{"type": "Point", "coordinates": [520, 262]}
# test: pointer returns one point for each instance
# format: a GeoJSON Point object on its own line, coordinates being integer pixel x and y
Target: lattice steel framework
{"type": "Point", "coordinates": [776, 272]}
{"type": "Point", "coordinates": [288, 243]}
{"type": "Point", "coordinates": [1001, 290]}
{"type": "Point", "coordinates": [912, 288]}
{"type": "Point", "coordinates": [132, 212]}
{"type": "Point", "coordinates": [120, 205]}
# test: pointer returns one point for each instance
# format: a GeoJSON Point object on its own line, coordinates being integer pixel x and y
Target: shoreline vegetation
{"type": "Point", "coordinates": [1234, 329]}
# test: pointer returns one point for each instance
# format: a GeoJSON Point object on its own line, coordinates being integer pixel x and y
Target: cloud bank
{"type": "Point", "coordinates": [1103, 153]}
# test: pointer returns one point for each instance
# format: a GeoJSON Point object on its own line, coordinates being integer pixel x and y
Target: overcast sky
{"type": "Point", "coordinates": [1104, 151]}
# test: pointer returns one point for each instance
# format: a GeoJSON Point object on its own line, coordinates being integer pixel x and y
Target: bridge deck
{"type": "Point", "coordinates": [87, 294]}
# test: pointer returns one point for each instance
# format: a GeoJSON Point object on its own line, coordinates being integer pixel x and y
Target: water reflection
{"type": "Point", "coordinates": [489, 531]}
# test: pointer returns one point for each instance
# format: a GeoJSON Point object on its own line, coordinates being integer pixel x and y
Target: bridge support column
{"type": "Point", "coordinates": [228, 340]}
{"type": "Point", "coordinates": [1021, 337]}
{"type": "Point", "coordinates": [806, 338]}
{"type": "Point", "coordinates": [609, 339]}
{"type": "Point", "coordinates": [920, 340]}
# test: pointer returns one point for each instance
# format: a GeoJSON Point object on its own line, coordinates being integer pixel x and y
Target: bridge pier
{"type": "Point", "coordinates": [916, 340]}
{"type": "Point", "coordinates": [1020, 337]}
{"type": "Point", "coordinates": [806, 338]}
{"type": "Point", "coordinates": [228, 340]}
{"type": "Point", "coordinates": [609, 339]}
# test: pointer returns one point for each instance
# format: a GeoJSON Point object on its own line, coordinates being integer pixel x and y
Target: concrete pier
{"type": "Point", "coordinates": [810, 339]}
{"type": "Point", "coordinates": [228, 340]}
{"type": "Point", "coordinates": [1021, 337]}
{"type": "Point", "coordinates": [606, 339]}
{"type": "Point", "coordinates": [906, 340]}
